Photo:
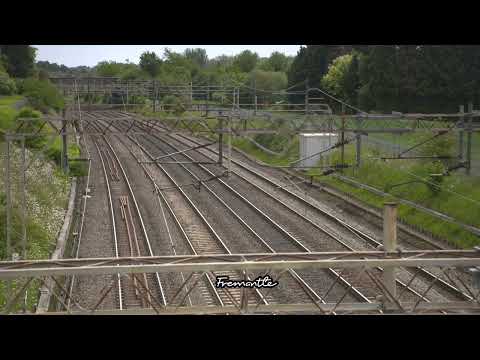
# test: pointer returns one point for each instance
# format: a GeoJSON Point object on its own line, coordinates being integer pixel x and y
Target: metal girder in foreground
{"type": "Point", "coordinates": [280, 261]}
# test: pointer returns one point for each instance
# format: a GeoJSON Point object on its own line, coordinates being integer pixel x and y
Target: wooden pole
{"type": "Point", "coordinates": [390, 244]}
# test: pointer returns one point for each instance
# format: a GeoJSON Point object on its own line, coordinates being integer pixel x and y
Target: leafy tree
{"type": "Point", "coordinates": [278, 62]}
{"type": "Point", "coordinates": [41, 94]}
{"type": "Point", "coordinates": [197, 56]}
{"type": "Point", "coordinates": [20, 60]}
{"type": "Point", "coordinates": [268, 81]}
{"type": "Point", "coordinates": [334, 79]}
{"type": "Point", "coordinates": [108, 68]}
{"type": "Point", "coordinates": [150, 63]}
{"type": "Point", "coordinates": [246, 61]}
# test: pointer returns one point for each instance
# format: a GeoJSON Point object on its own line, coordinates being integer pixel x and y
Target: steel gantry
{"type": "Point", "coordinates": [446, 261]}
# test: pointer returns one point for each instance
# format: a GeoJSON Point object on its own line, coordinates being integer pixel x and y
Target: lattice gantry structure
{"type": "Point", "coordinates": [387, 279]}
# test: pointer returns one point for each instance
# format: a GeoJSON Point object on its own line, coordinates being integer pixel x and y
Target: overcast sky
{"type": "Point", "coordinates": [90, 55]}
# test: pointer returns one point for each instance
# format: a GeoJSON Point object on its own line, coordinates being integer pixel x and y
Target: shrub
{"type": "Point", "coordinates": [173, 104]}
{"type": "Point", "coordinates": [41, 94]}
{"type": "Point", "coordinates": [31, 126]}
{"type": "Point", "coordinates": [7, 85]}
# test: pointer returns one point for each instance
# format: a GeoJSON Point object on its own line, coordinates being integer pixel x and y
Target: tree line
{"type": "Point", "coordinates": [405, 78]}
{"type": "Point", "coordinates": [382, 78]}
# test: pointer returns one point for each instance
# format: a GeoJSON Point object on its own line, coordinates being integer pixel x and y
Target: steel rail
{"type": "Point", "coordinates": [137, 210]}
{"type": "Point", "coordinates": [216, 236]}
{"type": "Point", "coordinates": [362, 235]}
{"type": "Point", "coordinates": [349, 227]}
{"type": "Point", "coordinates": [271, 221]}
{"type": "Point", "coordinates": [160, 196]}
{"type": "Point", "coordinates": [204, 220]}
{"type": "Point", "coordinates": [112, 216]}
{"type": "Point", "coordinates": [371, 241]}
{"type": "Point", "coordinates": [82, 221]}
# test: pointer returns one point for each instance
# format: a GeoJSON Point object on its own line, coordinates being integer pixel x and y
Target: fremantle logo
{"type": "Point", "coordinates": [259, 282]}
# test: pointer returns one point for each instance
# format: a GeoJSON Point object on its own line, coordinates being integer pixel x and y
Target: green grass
{"type": "Point", "coordinates": [382, 175]}
{"type": "Point", "coordinates": [10, 100]}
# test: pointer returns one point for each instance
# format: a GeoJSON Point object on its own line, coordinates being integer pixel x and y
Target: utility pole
{"type": "Point", "coordinates": [8, 284]}
{"type": "Point", "coordinates": [469, 137]}
{"type": "Point", "coordinates": [191, 93]}
{"type": "Point", "coordinates": [88, 92]}
{"type": "Point", "coordinates": [24, 202]}
{"type": "Point", "coordinates": [342, 153]}
{"type": "Point", "coordinates": [229, 146]}
{"type": "Point", "coordinates": [207, 98]}
{"type": "Point", "coordinates": [64, 143]}
{"type": "Point", "coordinates": [9, 196]}
{"type": "Point", "coordinates": [154, 96]}
{"type": "Point", "coordinates": [127, 92]}
{"type": "Point", "coordinates": [255, 95]}
{"type": "Point", "coordinates": [359, 142]}
{"type": "Point", "coordinates": [460, 133]}
{"type": "Point", "coordinates": [234, 99]}
{"type": "Point", "coordinates": [307, 87]}
{"type": "Point", "coordinates": [390, 244]}
{"type": "Point", "coordinates": [220, 142]}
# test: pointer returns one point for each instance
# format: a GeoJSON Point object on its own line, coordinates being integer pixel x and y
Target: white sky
{"type": "Point", "coordinates": [90, 55]}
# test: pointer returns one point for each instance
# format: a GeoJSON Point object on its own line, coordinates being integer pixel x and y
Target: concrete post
{"type": "Point", "coordinates": [390, 243]}
{"type": "Point", "coordinates": [154, 96]}
{"type": "Point", "coordinates": [8, 197]}
{"type": "Point", "coordinates": [24, 202]}
{"type": "Point", "coordinates": [342, 139]}
{"type": "Point", "coordinates": [207, 97]}
{"type": "Point", "coordinates": [469, 138]}
{"type": "Point", "coordinates": [359, 144]}
{"type": "Point", "coordinates": [8, 284]}
{"type": "Point", "coordinates": [229, 146]}
{"type": "Point", "coordinates": [306, 97]}
{"type": "Point", "coordinates": [64, 143]}
{"type": "Point", "coordinates": [460, 134]}
{"type": "Point", "coordinates": [220, 142]}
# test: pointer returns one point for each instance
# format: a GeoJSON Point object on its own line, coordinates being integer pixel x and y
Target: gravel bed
{"type": "Point", "coordinates": [279, 242]}
{"type": "Point", "coordinates": [97, 238]}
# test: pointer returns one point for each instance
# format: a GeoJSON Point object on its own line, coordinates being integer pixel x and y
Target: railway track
{"type": "Point", "coordinates": [128, 232]}
{"type": "Point", "coordinates": [447, 288]}
{"type": "Point", "coordinates": [201, 239]}
{"type": "Point", "coordinates": [293, 245]}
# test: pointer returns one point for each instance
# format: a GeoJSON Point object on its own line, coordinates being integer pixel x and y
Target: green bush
{"type": "Point", "coordinates": [7, 85]}
{"type": "Point", "coordinates": [41, 94]}
{"type": "Point", "coordinates": [173, 104]}
{"type": "Point", "coordinates": [31, 126]}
